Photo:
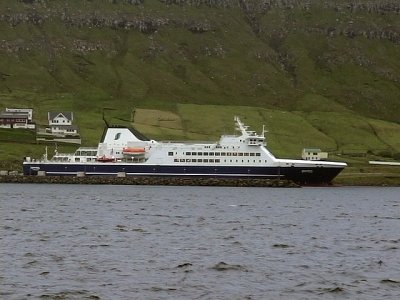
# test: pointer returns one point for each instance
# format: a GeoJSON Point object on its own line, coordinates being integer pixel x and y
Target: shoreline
{"type": "Point", "coordinates": [382, 177]}
{"type": "Point", "coordinates": [146, 180]}
{"type": "Point", "coordinates": [177, 181]}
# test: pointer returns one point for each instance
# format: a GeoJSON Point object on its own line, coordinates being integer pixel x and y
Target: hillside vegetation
{"type": "Point", "coordinates": [316, 73]}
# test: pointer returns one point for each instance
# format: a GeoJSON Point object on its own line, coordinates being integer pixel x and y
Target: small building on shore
{"type": "Point", "coordinates": [314, 154]}
{"type": "Point", "coordinates": [61, 122]}
{"type": "Point", "coordinates": [60, 129]}
{"type": "Point", "coordinates": [17, 118]}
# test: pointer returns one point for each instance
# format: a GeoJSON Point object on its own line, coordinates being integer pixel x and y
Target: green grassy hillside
{"type": "Point", "coordinates": [320, 74]}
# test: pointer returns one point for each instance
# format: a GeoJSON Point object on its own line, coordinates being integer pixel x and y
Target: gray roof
{"type": "Point", "coordinates": [67, 114]}
{"type": "Point", "coordinates": [312, 150]}
{"type": "Point", "coordinates": [10, 115]}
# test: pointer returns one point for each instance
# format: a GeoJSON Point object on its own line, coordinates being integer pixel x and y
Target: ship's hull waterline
{"type": "Point", "coordinates": [297, 174]}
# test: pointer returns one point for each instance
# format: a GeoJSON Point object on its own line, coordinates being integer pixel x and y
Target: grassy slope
{"type": "Point", "coordinates": [337, 93]}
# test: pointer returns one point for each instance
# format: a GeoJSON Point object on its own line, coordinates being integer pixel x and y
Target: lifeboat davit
{"type": "Point", "coordinates": [133, 151]}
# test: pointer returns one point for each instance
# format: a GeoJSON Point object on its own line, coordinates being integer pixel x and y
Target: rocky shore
{"type": "Point", "coordinates": [131, 180]}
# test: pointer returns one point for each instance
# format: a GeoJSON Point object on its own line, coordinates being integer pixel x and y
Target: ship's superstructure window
{"type": "Point", "coordinates": [85, 153]}
{"type": "Point", "coordinates": [217, 153]}
{"type": "Point", "coordinates": [208, 156]}
{"type": "Point", "coordinates": [197, 160]}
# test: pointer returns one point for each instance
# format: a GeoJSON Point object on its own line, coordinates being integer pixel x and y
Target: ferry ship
{"type": "Point", "coordinates": [125, 151]}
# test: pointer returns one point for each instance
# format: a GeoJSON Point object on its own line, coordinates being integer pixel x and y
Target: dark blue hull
{"type": "Point", "coordinates": [317, 175]}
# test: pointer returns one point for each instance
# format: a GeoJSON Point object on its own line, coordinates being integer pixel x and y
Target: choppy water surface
{"type": "Point", "coordinates": [135, 242]}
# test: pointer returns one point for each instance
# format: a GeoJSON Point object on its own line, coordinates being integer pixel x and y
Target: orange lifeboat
{"type": "Point", "coordinates": [133, 151]}
{"type": "Point", "coordinates": [105, 159]}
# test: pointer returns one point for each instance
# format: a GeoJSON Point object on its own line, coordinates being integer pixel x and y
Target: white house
{"type": "Point", "coordinates": [61, 123]}
{"type": "Point", "coordinates": [60, 118]}
{"type": "Point", "coordinates": [313, 154]}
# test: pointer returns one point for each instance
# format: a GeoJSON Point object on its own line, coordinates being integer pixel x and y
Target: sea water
{"type": "Point", "coordinates": [156, 242]}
